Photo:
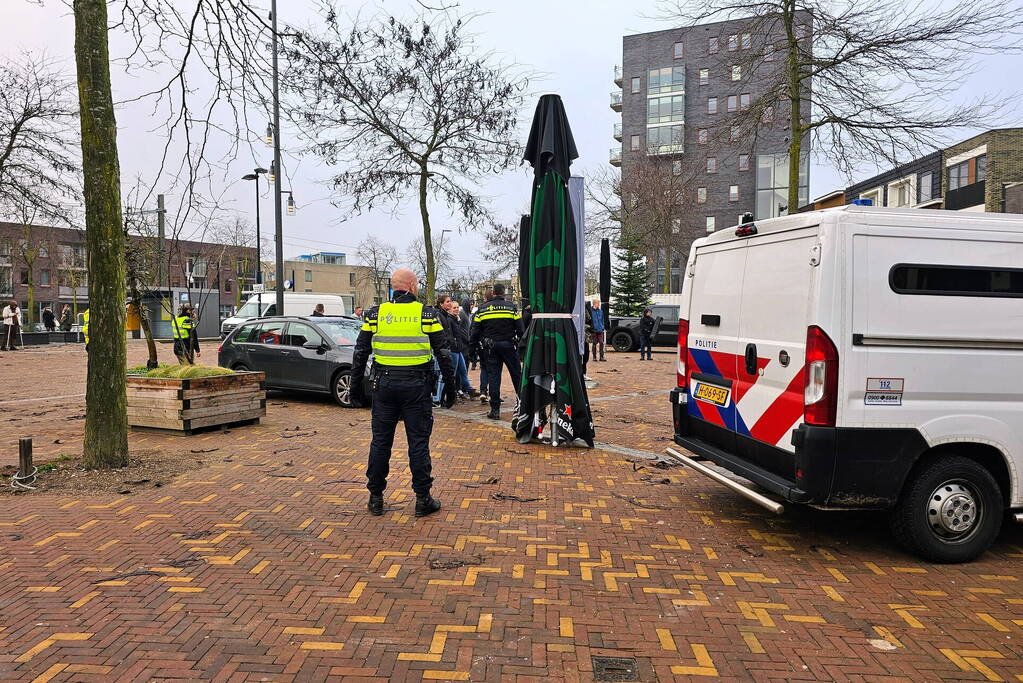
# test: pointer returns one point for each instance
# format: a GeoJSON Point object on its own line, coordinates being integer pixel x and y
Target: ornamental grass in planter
{"type": "Point", "coordinates": [189, 397]}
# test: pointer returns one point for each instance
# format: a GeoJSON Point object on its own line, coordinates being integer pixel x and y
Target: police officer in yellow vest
{"type": "Point", "coordinates": [405, 337]}
{"type": "Point", "coordinates": [186, 340]}
{"type": "Point", "coordinates": [85, 328]}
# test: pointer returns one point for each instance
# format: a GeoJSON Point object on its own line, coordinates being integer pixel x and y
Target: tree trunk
{"type": "Point", "coordinates": [431, 272]}
{"type": "Point", "coordinates": [666, 288]}
{"type": "Point", "coordinates": [106, 420]}
{"type": "Point", "coordinates": [795, 99]}
{"type": "Point", "coordinates": [30, 315]}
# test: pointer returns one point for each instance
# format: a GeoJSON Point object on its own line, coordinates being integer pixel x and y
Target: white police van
{"type": "Point", "coordinates": [862, 357]}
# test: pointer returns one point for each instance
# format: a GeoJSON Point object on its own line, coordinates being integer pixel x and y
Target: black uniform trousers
{"type": "Point", "coordinates": [502, 353]}
{"type": "Point", "coordinates": [407, 396]}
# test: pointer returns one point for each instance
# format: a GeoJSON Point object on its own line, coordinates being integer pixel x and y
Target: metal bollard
{"type": "Point", "coordinates": [26, 475]}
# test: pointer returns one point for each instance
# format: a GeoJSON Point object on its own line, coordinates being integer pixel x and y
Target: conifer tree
{"type": "Point", "coordinates": [630, 291]}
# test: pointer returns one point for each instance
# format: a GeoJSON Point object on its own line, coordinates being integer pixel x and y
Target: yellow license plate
{"type": "Point", "coordinates": [712, 394]}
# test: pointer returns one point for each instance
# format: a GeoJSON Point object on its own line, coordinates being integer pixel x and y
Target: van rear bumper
{"type": "Point", "coordinates": [841, 467]}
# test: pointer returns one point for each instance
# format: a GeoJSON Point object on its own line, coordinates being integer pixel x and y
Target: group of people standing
{"type": "Point", "coordinates": [10, 334]}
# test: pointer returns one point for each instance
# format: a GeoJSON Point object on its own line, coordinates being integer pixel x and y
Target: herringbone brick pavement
{"type": "Point", "coordinates": [265, 566]}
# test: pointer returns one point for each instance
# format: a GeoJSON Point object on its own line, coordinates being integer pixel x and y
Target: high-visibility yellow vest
{"type": "Point", "coordinates": [182, 326]}
{"type": "Point", "coordinates": [400, 334]}
{"type": "Point", "coordinates": [85, 325]}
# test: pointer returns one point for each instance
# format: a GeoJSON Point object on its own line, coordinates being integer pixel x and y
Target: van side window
{"type": "Point", "coordinates": [911, 278]}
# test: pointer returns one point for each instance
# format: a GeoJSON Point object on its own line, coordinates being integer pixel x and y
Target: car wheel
{"type": "Point", "coordinates": [951, 511]}
{"type": "Point", "coordinates": [240, 367]}
{"type": "Point", "coordinates": [622, 342]}
{"type": "Point", "coordinates": [341, 388]}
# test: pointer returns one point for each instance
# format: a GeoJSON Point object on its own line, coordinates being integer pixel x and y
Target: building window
{"type": "Point", "coordinates": [801, 31]}
{"type": "Point", "coordinates": [676, 167]}
{"type": "Point", "coordinates": [959, 175]}
{"type": "Point", "coordinates": [735, 133]}
{"type": "Point", "coordinates": [712, 46]}
{"type": "Point", "coordinates": [744, 101]}
{"type": "Point", "coordinates": [937, 280]}
{"type": "Point", "coordinates": [677, 51]}
{"type": "Point", "coordinates": [668, 79]}
{"type": "Point", "coordinates": [733, 103]}
{"type": "Point", "coordinates": [44, 278]}
{"type": "Point", "coordinates": [309, 276]}
{"type": "Point", "coordinates": [876, 196]}
{"type": "Point", "coordinates": [712, 105]}
{"type": "Point", "coordinates": [633, 142]}
{"type": "Point", "coordinates": [227, 286]}
{"type": "Point", "coordinates": [702, 136]}
{"type": "Point", "coordinates": [712, 165]}
{"type": "Point", "coordinates": [769, 53]}
{"type": "Point", "coordinates": [676, 226]}
{"type": "Point", "coordinates": [665, 109]}
{"type": "Point", "coordinates": [902, 192]}
{"type": "Point", "coordinates": [733, 193]}
{"type": "Point", "coordinates": [24, 276]}
{"type": "Point", "coordinates": [704, 76]}
{"type": "Point", "coordinates": [635, 84]}
{"type": "Point", "coordinates": [773, 185]}
{"type": "Point", "coordinates": [981, 167]}
{"type": "Point", "coordinates": [665, 139]}
{"type": "Point", "coordinates": [747, 41]}
{"type": "Point", "coordinates": [351, 279]}
{"type": "Point", "coordinates": [733, 42]}
{"type": "Point", "coordinates": [768, 115]}
{"type": "Point", "coordinates": [744, 162]}
{"type": "Point", "coordinates": [926, 186]}
{"type": "Point", "coordinates": [701, 195]}
{"type": "Point", "coordinates": [710, 223]}
{"type": "Point", "coordinates": [736, 72]}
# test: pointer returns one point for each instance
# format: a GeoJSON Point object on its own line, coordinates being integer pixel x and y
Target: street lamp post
{"type": "Point", "coordinates": [278, 223]}
{"type": "Point", "coordinates": [258, 275]}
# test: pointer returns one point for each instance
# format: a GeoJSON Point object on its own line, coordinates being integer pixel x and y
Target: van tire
{"type": "Point", "coordinates": [623, 341]}
{"type": "Point", "coordinates": [940, 490]}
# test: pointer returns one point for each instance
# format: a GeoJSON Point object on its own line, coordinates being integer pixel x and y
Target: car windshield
{"type": "Point", "coordinates": [251, 309]}
{"type": "Point", "coordinates": [342, 333]}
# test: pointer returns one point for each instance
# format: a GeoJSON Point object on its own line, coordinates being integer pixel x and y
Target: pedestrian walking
{"type": "Point", "coordinates": [65, 319]}
{"type": "Point", "coordinates": [404, 337]}
{"type": "Point", "coordinates": [599, 327]}
{"type": "Point", "coordinates": [186, 339]}
{"type": "Point", "coordinates": [496, 330]}
{"type": "Point", "coordinates": [49, 319]}
{"type": "Point", "coordinates": [317, 311]}
{"type": "Point", "coordinates": [646, 331]}
{"type": "Point", "coordinates": [12, 327]}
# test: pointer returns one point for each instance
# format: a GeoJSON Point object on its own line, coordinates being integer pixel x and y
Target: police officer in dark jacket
{"type": "Point", "coordinates": [404, 336]}
{"type": "Point", "coordinates": [496, 329]}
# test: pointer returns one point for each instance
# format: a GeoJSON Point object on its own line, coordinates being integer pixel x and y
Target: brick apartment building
{"type": "Point", "coordinates": [52, 261]}
{"type": "Point", "coordinates": [980, 173]}
{"type": "Point", "coordinates": [680, 88]}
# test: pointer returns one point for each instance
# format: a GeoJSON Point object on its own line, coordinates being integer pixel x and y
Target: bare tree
{"type": "Point", "coordinates": [380, 258]}
{"type": "Point", "coordinates": [39, 168]}
{"type": "Point", "coordinates": [856, 82]}
{"type": "Point", "coordinates": [501, 246]}
{"type": "Point", "coordinates": [654, 208]}
{"type": "Point", "coordinates": [420, 260]}
{"type": "Point", "coordinates": [406, 108]}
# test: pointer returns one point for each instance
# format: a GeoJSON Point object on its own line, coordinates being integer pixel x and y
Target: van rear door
{"type": "Point", "coordinates": [713, 340]}
{"type": "Point", "coordinates": [776, 299]}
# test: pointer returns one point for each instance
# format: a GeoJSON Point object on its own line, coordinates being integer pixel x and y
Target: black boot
{"type": "Point", "coordinates": [426, 504]}
{"type": "Point", "coordinates": [495, 413]}
{"type": "Point", "coordinates": [375, 504]}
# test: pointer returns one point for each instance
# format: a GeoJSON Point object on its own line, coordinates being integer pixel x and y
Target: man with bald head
{"type": "Point", "coordinates": [404, 337]}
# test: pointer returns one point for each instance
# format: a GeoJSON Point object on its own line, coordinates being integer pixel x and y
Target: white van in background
{"type": "Point", "coordinates": [295, 303]}
{"type": "Point", "coordinates": [862, 358]}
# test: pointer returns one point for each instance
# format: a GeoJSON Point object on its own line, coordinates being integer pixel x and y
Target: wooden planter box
{"type": "Point", "coordinates": [188, 404]}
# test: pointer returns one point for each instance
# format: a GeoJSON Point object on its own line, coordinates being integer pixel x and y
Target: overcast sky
{"type": "Point", "coordinates": [574, 44]}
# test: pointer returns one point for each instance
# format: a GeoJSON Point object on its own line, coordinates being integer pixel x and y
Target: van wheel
{"type": "Point", "coordinates": [622, 342]}
{"type": "Point", "coordinates": [951, 511]}
{"type": "Point", "coordinates": [341, 388]}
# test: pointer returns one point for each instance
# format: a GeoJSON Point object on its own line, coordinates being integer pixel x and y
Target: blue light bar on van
{"type": "Point", "coordinates": [862, 202]}
{"type": "Point", "coordinates": [746, 230]}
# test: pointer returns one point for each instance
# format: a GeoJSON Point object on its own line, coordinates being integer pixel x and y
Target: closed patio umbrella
{"type": "Point", "coordinates": [553, 400]}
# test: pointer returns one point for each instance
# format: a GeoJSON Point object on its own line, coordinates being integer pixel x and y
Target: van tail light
{"type": "Point", "coordinates": [683, 352]}
{"type": "Point", "coordinates": [820, 396]}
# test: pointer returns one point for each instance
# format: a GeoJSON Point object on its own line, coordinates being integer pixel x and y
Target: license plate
{"type": "Point", "coordinates": [711, 394]}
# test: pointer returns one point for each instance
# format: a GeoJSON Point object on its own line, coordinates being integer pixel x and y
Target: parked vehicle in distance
{"type": "Point", "coordinates": [295, 303]}
{"type": "Point", "coordinates": [862, 358]}
{"type": "Point", "coordinates": [623, 333]}
{"type": "Point", "coordinates": [296, 353]}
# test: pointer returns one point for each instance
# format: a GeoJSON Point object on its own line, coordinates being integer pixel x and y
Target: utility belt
{"type": "Point", "coordinates": [489, 342]}
{"type": "Point", "coordinates": [418, 373]}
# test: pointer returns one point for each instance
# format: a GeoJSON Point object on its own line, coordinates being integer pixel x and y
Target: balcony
{"type": "Point", "coordinates": [965, 196]}
{"type": "Point", "coordinates": [618, 132]}
{"type": "Point", "coordinates": [616, 156]}
{"type": "Point", "coordinates": [618, 75]}
{"type": "Point", "coordinates": [72, 292]}
{"type": "Point", "coordinates": [616, 101]}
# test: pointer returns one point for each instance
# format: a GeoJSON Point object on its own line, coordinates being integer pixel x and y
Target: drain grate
{"type": "Point", "coordinates": [614, 669]}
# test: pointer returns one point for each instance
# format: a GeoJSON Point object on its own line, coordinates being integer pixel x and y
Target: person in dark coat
{"type": "Point", "coordinates": [646, 331]}
{"type": "Point", "coordinates": [49, 319]}
{"type": "Point", "coordinates": [65, 318]}
{"type": "Point", "coordinates": [460, 333]}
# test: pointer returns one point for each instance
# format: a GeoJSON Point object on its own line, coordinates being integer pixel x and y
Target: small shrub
{"type": "Point", "coordinates": [188, 371]}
